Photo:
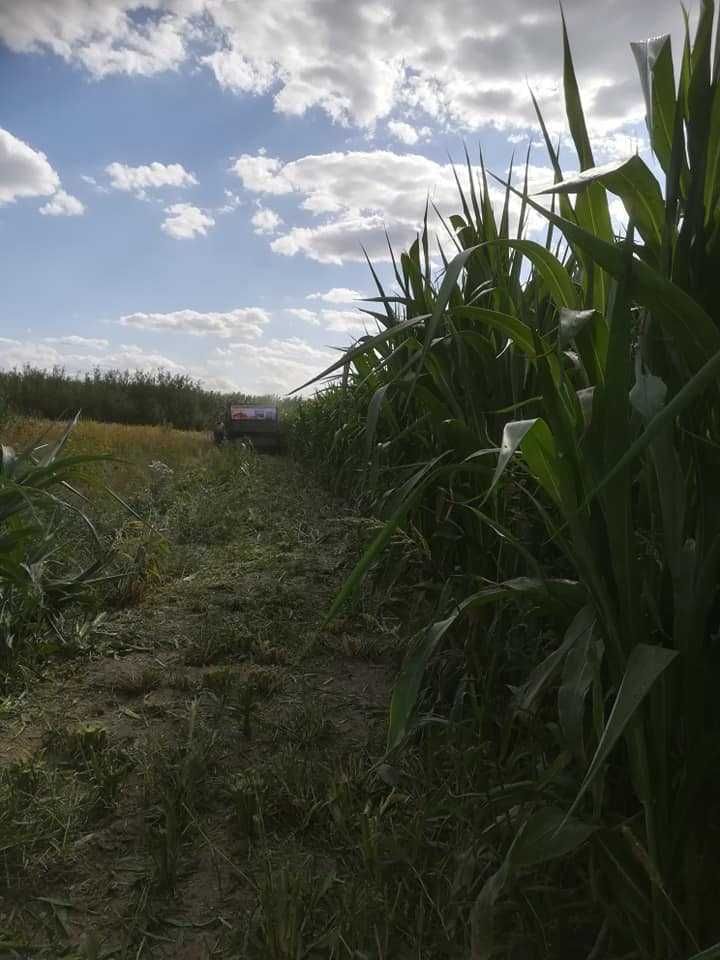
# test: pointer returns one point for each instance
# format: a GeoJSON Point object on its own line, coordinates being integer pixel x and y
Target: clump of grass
{"type": "Point", "coordinates": [262, 680]}
{"type": "Point", "coordinates": [44, 808]}
{"type": "Point", "coordinates": [219, 638]}
{"type": "Point", "coordinates": [85, 748]}
{"type": "Point", "coordinates": [211, 515]}
{"type": "Point", "coordinates": [42, 576]}
{"type": "Point", "coordinates": [142, 556]}
{"type": "Point", "coordinates": [308, 726]}
{"type": "Point", "coordinates": [291, 895]}
{"type": "Point", "coordinates": [137, 682]}
{"type": "Point", "coordinates": [223, 682]}
{"type": "Point", "coordinates": [267, 654]}
{"type": "Point", "coordinates": [176, 785]}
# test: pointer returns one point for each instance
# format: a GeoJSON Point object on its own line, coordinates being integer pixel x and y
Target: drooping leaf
{"type": "Point", "coordinates": [519, 332]}
{"type": "Point", "coordinates": [534, 439]}
{"type": "Point", "coordinates": [547, 835]}
{"type": "Point", "coordinates": [648, 395]}
{"type": "Point", "coordinates": [632, 181]}
{"type": "Point", "coordinates": [655, 67]}
{"type": "Point", "coordinates": [373, 415]}
{"type": "Point", "coordinates": [581, 665]}
{"type": "Point", "coordinates": [644, 665]}
{"type": "Point", "coordinates": [581, 625]}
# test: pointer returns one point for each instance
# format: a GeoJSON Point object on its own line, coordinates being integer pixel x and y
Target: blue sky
{"type": "Point", "coordinates": [186, 183]}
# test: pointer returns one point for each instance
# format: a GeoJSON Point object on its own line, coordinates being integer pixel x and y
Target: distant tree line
{"type": "Point", "coordinates": [116, 396]}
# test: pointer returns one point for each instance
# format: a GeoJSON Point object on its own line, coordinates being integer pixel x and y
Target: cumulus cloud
{"type": "Point", "coordinates": [103, 36]}
{"type": "Point", "coordinates": [240, 73]}
{"type": "Point", "coordinates": [406, 133]}
{"type": "Point", "coordinates": [184, 221]}
{"type": "Point", "coordinates": [346, 321]}
{"type": "Point", "coordinates": [370, 182]}
{"type": "Point", "coordinates": [265, 221]}
{"type": "Point", "coordinates": [261, 174]}
{"type": "Point", "coordinates": [74, 340]}
{"type": "Point", "coordinates": [243, 322]}
{"type": "Point", "coordinates": [277, 366]}
{"type": "Point", "coordinates": [272, 366]}
{"type": "Point", "coordinates": [80, 354]}
{"type": "Point", "coordinates": [357, 195]}
{"type": "Point", "coordinates": [148, 176]}
{"type": "Point", "coordinates": [24, 172]}
{"type": "Point", "coordinates": [62, 204]}
{"type": "Point", "coordinates": [337, 295]}
{"type": "Point", "coordinates": [366, 61]}
{"type": "Point", "coordinates": [307, 316]}
{"type": "Point", "coordinates": [337, 321]}
{"type": "Point", "coordinates": [342, 241]}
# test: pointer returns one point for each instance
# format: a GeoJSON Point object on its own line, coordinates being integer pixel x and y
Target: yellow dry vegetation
{"type": "Point", "coordinates": [135, 447]}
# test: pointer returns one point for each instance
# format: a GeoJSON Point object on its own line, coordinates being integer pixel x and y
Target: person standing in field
{"type": "Point", "coordinates": [219, 433]}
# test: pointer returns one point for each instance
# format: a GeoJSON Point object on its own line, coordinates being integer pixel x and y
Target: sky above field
{"type": "Point", "coordinates": [188, 184]}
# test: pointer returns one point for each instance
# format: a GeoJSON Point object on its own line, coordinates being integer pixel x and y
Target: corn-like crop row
{"type": "Point", "coordinates": [544, 420]}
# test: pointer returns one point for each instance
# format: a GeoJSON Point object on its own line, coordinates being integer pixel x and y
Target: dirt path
{"type": "Point", "coordinates": [186, 789]}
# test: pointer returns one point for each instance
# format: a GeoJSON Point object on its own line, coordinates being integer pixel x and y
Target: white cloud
{"type": "Point", "coordinates": [273, 367]}
{"type": "Point", "coordinates": [356, 196]}
{"type": "Point", "coordinates": [370, 182]}
{"type": "Point", "coordinates": [261, 174]}
{"type": "Point", "coordinates": [232, 202]}
{"type": "Point", "coordinates": [338, 321]}
{"type": "Point", "coordinates": [92, 182]}
{"type": "Point", "coordinates": [78, 355]}
{"type": "Point", "coordinates": [337, 295]}
{"type": "Point", "coordinates": [73, 340]}
{"type": "Point", "coordinates": [359, 194]}
{"type": "Point", "coordinates": [246, 322]}
{"type": "Point", "coordinates": [346, 321]}
{"type": "Point", "coordinates": [24, 172]}
{"type": "Point", "coordinates": [265, 221]}
{"type": "Point", "coordinates": [364, 62]}
{"type": "Point", "coordinates": [62, 204]}
{"type": "Point", "coordinates": [148, 176]}
{"type": "Point", "coordinates": [406, 133]}
{"type": "Point", "coordinates": [307, 316]}
{"type": "Point", "coordinates": [342, 241]}
{"type": "Point", "coordinates": [618, 146]}
{"type": "Point", "coordinates": [102, 35]}
{"type": "Point", "coordinates": [184, 221]}
{"type": "Point", "coordinates": [236, 72]}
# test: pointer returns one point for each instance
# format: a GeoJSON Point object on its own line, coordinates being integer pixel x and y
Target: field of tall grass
{"type": "Point", "coordinates": [131, 449]}
{"type": "Point", "coordinates": [91, 515]}
{"type": "Point", "coordinates": [542, 423]}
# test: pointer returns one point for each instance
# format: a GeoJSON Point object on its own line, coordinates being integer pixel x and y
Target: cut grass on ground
{"type": "Point", "coordinates": [198, 782]}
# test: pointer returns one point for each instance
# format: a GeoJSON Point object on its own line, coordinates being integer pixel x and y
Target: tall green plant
{"type": "Point", "coordinates": [39, 578]}
{"type": "Point", "coordinates": [610, 356]}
